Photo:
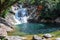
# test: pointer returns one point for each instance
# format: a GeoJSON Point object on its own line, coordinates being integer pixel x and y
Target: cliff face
{"type": "Point", "coordinates": [10, 18]}
{"type": "Point", "coordinates": [5, 27]}
{"type": "Point", "coordinates": [6, 24]}
{"type": "Point", "coordinates": [4, 21]}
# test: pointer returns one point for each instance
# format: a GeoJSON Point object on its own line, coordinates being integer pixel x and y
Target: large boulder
{"type": "Point", "coordinates": [6, 22]}
{"type": "Point", "coordinates": [3, 31]}
{"type": "Point", "coordinates": [4, 27]}
{"type": "Point", "coordinates": [11, 18]}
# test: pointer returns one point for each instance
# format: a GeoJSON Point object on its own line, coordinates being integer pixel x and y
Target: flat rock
{"type": "Point", "coordinates": [35, 37]}
{"type": "Point", "coordinates": [57, 38]}
{"type": "Point", "coordinates": [47, 35]}
{"type": "Point", "coordinates": [15, 38]}
{"type": "Point", "coordinates": [4, 27]}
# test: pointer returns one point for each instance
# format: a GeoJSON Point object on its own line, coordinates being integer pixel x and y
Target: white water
{"type": "Point", "coordinates": [17, 21]}
{"type": "Point", "coordinates": [20, 15]}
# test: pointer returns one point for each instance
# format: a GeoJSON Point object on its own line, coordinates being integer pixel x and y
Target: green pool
{"type": "Point", "coordinates": [37, 28]}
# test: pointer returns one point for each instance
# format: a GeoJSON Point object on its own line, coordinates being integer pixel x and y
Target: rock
{"type": "Point", "coordinates": [4, 27]}
{"type": "Point", "coordinates": [12, 19]}
{"type": "Point", "coordinates": [57, 38]}
{"type": "Point", "coordinates": [35, 37]}
{"type": "Point", "coordinates": [57, 20]}
{"type": "Point", "coordinates": [23, 38]}
{"type": "Point", "coordinates": [43, 20]}
{"type": "Point", "coordinates": [15, 38]}
{"type": "Point", "coordinates": [4, 21]}
{"type": "Point", "coordinates": [43, 39]}
{"type": "Point", "coordinates": [3, 32]}
{"type": "Point", "coordinates": [47, 35]}
{"type": "Point", "coordinates": [6, 24]}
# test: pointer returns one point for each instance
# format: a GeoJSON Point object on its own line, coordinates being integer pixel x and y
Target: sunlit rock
{"type": "Point", "coordinates": [4, 27]}
{"type": "Point", "coordinates": [47, 35]}
{"type": "Point", "coordinates": [3, 31]}
{"type": "Point", "coordinates": [35, 37]}
{"type": "Point", "coordinates": [5, 22]}
{"type": "Point", "coordinates": [57, 38]}
{"type": "Point", "coordinates": [15, 38]}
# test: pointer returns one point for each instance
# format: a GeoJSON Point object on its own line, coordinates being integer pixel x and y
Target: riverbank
{"type": "Point", "coordinates": [29, 37]}
{"type": "Point", "coordinates": [56, 34]}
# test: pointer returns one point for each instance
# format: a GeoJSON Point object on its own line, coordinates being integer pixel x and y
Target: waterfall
{"type": "Point", "coordinates": [21, 15]}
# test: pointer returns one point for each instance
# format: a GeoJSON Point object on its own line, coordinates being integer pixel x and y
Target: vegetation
{"type": "Point", "coordinates": [2, 38]}
{"type": "Point", "coordinates": [5, 4]}
{"type": "Point", "coordinates": [51, 7]}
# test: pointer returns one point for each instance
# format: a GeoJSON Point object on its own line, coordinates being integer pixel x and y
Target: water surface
{"type": "Point", "coordinates": [37, 28]}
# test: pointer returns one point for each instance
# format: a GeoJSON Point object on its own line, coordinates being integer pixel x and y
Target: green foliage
{"type": "Point", "coordinates": [4, 13]}
{"type": "Point", "coordinates": [2, 38]}
{"type": "Point", "coordinates": [58, 5]}
{"type": "Point", "coordinates": [32, 1]}
{"type": "Point", "coordinates": [49, 7]}
{"type": "Point", "coordinates": [5, 4]}
{"type": "Point", "coordinates": [22, 1]}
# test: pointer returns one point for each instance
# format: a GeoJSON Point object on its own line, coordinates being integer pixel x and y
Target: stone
{"type": "Point", "coordinates": [47, 35]}
{"type": "Point", "coordinates": [4, 21]}
{"type": "Point", "coordinates": [3, 32]}
{"type": "Point", "coordinates": [57, 20]}
{"type": "Point", "coordinates": [35, 37]}
{"type": "Point", "coordinates": [15, 38]}
{"type": "Point", "coordinates": [4, 27]}
{"type": "Point", "coordinates": [43, 39]}
{"type": "Point", "coordinates": [57, 38]}
{"type": "Point", "coordinates": [23, 38]}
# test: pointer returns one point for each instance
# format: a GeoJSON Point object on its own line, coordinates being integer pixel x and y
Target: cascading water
{"type": "Point", "coordinates": [21, 15]}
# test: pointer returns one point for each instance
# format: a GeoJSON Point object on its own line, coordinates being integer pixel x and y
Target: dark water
{"type": "Point", "coordinates": [36, 28]}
